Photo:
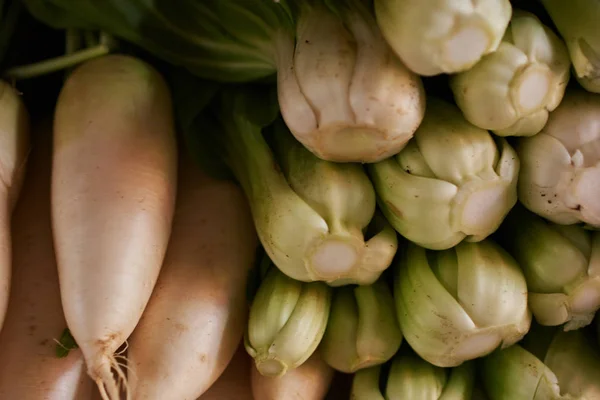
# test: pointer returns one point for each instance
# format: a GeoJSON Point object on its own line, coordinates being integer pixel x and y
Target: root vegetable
{"type": "Point", "coordinates": [113, 196]}
{"type": "Point", "coordinates": [198, 311]}
{"type": "Point", "coordinates": [30, 369]}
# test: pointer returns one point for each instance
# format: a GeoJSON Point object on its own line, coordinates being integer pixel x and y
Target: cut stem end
{"type": "Point", "coordinates": [531, 87]}
{"type": "Point", "coordinates": [465, 47]}
{"type": "Point", "coordinates": [334, 258]}
{"type": "Point", "coordinates": [271, 367]}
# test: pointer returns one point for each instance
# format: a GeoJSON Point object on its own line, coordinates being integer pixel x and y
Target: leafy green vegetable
{"type": "Point", "coordinates": [286, 323]}
{"type": "Point", "coordinates": [560, 166]}
{"type": "Point", "coordinates": [363, 329]}
{"type": "Point", "coordinates": [343, 93]}
{"type": "Point", "coordinates": [452, 182]}
{"type": "Point", "coordinates": [442, 36]}
{"type": "Point", "coordinates": [233, 40]}
{"type": "Point", "coordinates": [408, 376]}
{"type": "Point", "coordinates": [512, 90]}
{"type": "Point", "coordinates": [560, 265]}
{"type": "Point", "coordinates": [462, 303]}
{"type": "Point", "coordinates": [577, 22]}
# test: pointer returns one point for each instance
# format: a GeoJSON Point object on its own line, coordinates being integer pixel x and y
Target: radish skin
{"type": "Point", "coordinates": [14, 148]}
{"type": "Point", "coordinates": [310, 381]}
{"type": "Point", "coordinates": [114, 185]}
{"type": "Point", "coordinates": [198, 311]}
{"type": "Point", "coordinates": [30, 369]}
{"type": "Point", "coordinates": [234, 383]}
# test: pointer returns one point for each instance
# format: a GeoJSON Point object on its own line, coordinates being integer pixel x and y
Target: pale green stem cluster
{"type": "Point", "coordinates": [551, 364]}
{"type": "Point", "coordinates": [560, 166]}
{"type": "Point", "coordinates": [562, 267]}
{"type": "Point", "coordinates": [452, 182]}
{"type": "Point", "coordinates": [312, 216]}
{"type": "Point", "coordinates": [410, 377]}
{"type": "Point", "coordinates": [363, 329]}
{"type": "Point", "coordinates": [514, 373]}
{"type": "Point", "coordinates": [512, 90]}
{"type": "Point", "coordinates": [343, 93]}
{"type": "Point", "coordinates": [577, 22]}
{"type": "Point", "coordinates": [460, 304]}
{"type": "Point", "coordinates": [442, 36]}
{"type": "Point", "coordinates": [287, 321]}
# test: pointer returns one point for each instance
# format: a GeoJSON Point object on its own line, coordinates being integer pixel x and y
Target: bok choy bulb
{"type": "Point", "coordinates": [561, 264]}
{"type": "Point", "coordinates": [286, 323]}
{"type": "Point", "coordinates": [572, 356]}
{"type": "Point", "coordinates": [515, 373]}
{"type": "Point", "coordinates": [316, 219]}
{"type": "Point", "coordinates": [459, 304]}
{"type": "Point", "coordinates": [560, 166]}
{"type": "Point", "coordinates": [363, 328]}
{"type": "Point", "coordinates": [512, 90]}
{"type": "Point", "coordinates": [342, 92]}
{"type": "Point", "coordinates": [442, 36]}
{"type": "Point", "coordinates": [452, 182]}
{"type": "Point", "coordinates": [577, 22]}
{"type": "Point", "coordinates": [410, 377]}
{"type": "Point", "coordinates": [549, 364]}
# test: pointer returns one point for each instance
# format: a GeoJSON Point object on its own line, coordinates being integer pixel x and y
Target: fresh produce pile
{"type": "Point", "coordinates": [303, 200]}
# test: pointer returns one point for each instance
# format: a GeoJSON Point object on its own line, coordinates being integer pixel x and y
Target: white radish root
{"type": "Point", "coordinates": [30, 368]}
{"type": "Point", "coordinates": [14, 148]}
{"type": "Point", "coordinates": [198, 310]}
{"type": "Point", "coordinates": [310, 381]}
{"type": "Point", "coordinates": [234, 383]}
{"type": "Point", "coordinates": [114, 185]}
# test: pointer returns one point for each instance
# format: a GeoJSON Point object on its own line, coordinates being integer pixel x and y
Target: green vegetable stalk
{"type": "Point", "coordinates": [442, 36]}
{"type": "Point", "coordinates": [549, 364]}
{"type": "Point", "coordinates": [577, 22]}
{"type": "Point", "coordinates": [343, 93]}
{"type": "Point", "coordinates": [512, 90]}
{"type": "Point", "coordinates": [314, 218]}
{"type": "Point", "coordinates": [560, 166]}
{"type": "Point", "coordinates": [515, 373]}
{"type": "Point", "coordinates": [572, 356]}
{"type": "Point", "coordinates": [363, 328]}
{"type": "Point", "coordinates": [286, 323]}
{"type": "Point", "coordinates": [410, 377]}
{"type": "Point", "coordinates": [561, 264]}
{"type": "Point", "coordinates": [452, 182]}
{"type": "Point", "coordinates": [459, 304]}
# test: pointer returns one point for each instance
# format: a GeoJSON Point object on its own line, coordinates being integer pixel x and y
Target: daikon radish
{"type": "Point", "coordinates": [310, 381]}
{"type": "Point", "coordinates": [234, 383]}
{"type": "Point", "coordinates": [114, 183]}
{"type": "Point", "coordinates": [14, 148]}
{"type": "Point", "coordinates": [30, 368]}
{"type": "Point", "coordinates": [97, 396]}
{"type": "Point", "coordinates": [198, 310]}
{"type": "Point", "coordinates": [122, 351]}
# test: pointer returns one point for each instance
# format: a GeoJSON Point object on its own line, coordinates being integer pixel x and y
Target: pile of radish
{"type": "Point", "coordinates": [120, 243]}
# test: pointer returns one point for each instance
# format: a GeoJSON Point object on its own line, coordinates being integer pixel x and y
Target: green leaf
{"type": "Point", "coordinates": [227, 41]}
{"type": "Point", "coordinates": [65, 344]}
